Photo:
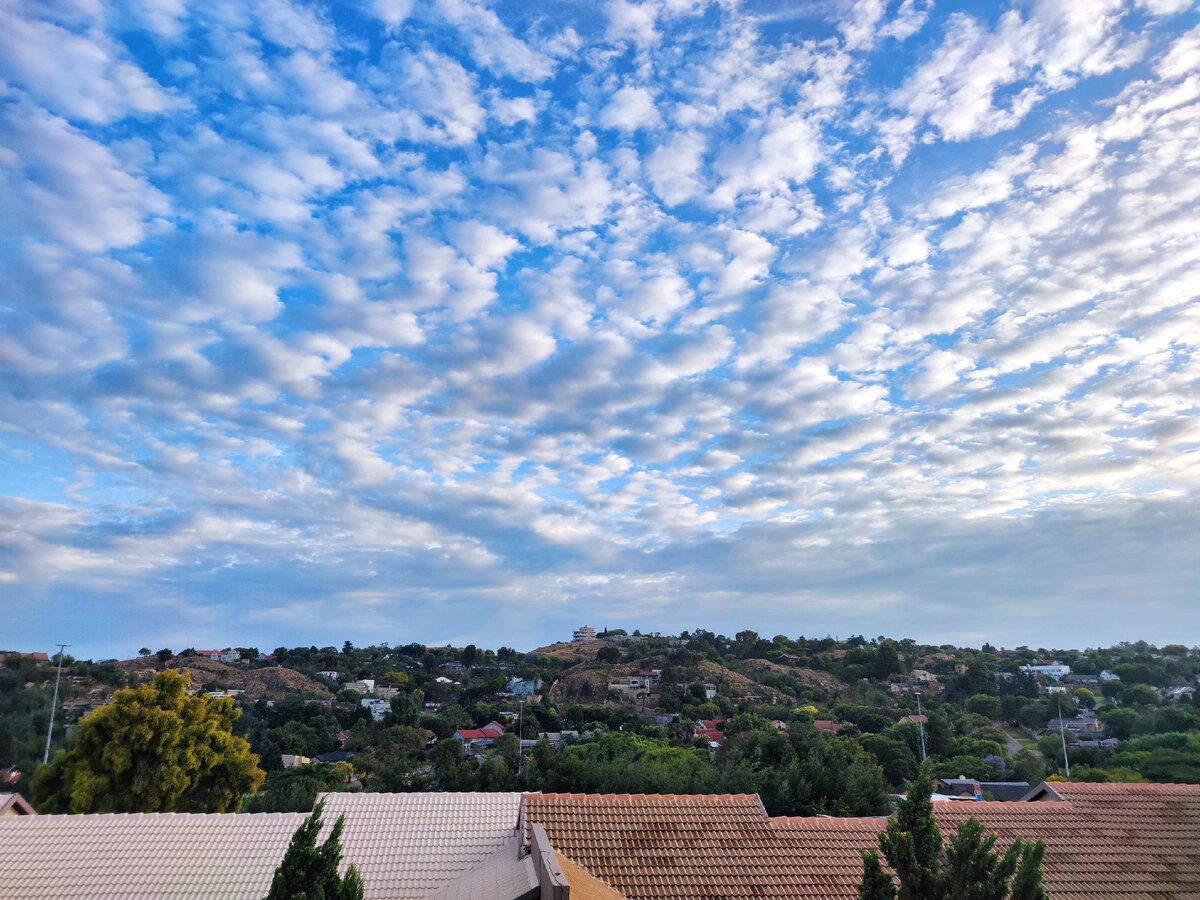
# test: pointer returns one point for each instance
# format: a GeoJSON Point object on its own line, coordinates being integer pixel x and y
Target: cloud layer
{"type": "Point", "coordinates": [462, 321]}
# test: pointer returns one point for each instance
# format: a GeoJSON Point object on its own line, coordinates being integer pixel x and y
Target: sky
{"type": "Point", "coordinates": [394, 321]}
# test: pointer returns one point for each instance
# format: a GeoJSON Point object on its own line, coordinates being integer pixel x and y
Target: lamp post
{"type": "Point", "coordinates": [921, 725]}
{"type": "Point", "coordinates": [54, 703]}
{"type": "Point", "coordinates": [520, 734]}
{"type": "Point", "coordinates": [1062, 730]}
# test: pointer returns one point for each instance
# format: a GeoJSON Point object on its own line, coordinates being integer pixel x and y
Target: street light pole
{"type": "Point", "coordinates": [921, 725]}
{"type": "Point", "coordinates": [54, 703]}
{"type": "Point", "coordinates": [1063, 733]}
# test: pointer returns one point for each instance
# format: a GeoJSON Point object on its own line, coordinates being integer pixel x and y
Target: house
{"type": "Point", "coordinates": [583, 635]}
{"type": "Point", "coordinates": [405, 846]}
{"type": "Point", "coordinates": [363, 685]}
{"type": "Point", "coordinates": [480, 737]}
{"type": "Point", "coordinates": [452, 666]}
{"type": "Point", "coordinates": [335, 756]}
{"type": "Point", "coordinates": [963, 788]}
{"type": "Point", "coordinates": [225, 656]}
{"type": "Point", "coordinates": [914, 720]}
{"type": "Point", "coordinates": [1103, 842]}
{"type": "Point", "coordinates": [523, 687]}
{"type": "Point", "coordinates": [15, 805]}
{"type": "Point", "coordinates": [556, 738]}
{"type": "Point", "coordinates": [633, 685]}
{"type": "Point", "coordinates": [331, 674]}
{"type": "Point", "coordinates": [1084, 723]}
{"type": "Point", "coordinates": [1107, 676]}
{"type": "Point", "coordinates": [1050, 670]}
{"type": "Point", "coordinates": [39, 657]}
{"type": "Point", "coordinates": [379, 708]}
{"type": "Point", "coordinates": [826, 725]}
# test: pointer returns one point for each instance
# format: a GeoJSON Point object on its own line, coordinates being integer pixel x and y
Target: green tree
{"type": "Point", "coordinates": [152, 749]}
{"type": "Point", "coordinates": [309, 872]}
{"type": "Point", "coordinates": [1118, 720]}
{"type": "Point", "coordinates": [1085, 699]}
{"type": "Point", "coordinates": [972, 869]}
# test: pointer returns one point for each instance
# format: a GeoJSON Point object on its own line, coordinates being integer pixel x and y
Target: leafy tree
{"type": "Point", "coordinates": [152, 749]}
{"type": "Point", "coordinates": [984, 705]}
{"type": "Point", "coordinates": [1140, 695]}
{"type": "Point", "coordinates": [309, 872]}
{"type": "Point", "coordinates": [1085, 698]}
{"type": "Point", "coordinates": [972, 868]}
{"type": "Point", "coordinates": [1118, 720]}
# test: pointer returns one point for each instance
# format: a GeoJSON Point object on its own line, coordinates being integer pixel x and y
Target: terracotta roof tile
{"type": "Point", "coordinates": [678, 846]}
{"type": "Point", "coordinates": [1102, 840]}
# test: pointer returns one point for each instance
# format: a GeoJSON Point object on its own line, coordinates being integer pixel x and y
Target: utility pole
{"type": "Point", "coordinates": [921, 725]}
{"type": "Point", "coordinates": [1062, 730]}
{"type": "Point", "coordinates": [54, 703]}
{"type": "Point", "coordinates": [520, 733]}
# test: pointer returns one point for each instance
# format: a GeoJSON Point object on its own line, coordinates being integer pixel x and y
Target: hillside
{"type": "Point", "coordinates": [571, 653]}
{"type": "Point", "coordinates": [823, 680]}
{"type": "Point", "coordinates": [271, 683]}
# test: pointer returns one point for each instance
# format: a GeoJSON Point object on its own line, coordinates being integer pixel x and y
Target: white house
{"type": "Point", "coordinates": [1052, 670]}
{"type": "Point", "coordinates": [378, 708]}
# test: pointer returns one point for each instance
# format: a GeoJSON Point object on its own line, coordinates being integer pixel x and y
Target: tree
{"type": "Point", "coordinates": [309, 872]}
{"type": "Point", "coordinates": [971, 870]}
{"type": "Point", "coordinates": [152, 749]}
{"type": "Point", "coordinates": [1118, 720]}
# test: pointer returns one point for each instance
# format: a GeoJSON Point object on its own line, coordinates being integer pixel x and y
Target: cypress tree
{"type": "Point", "coordinates": [310, 872]}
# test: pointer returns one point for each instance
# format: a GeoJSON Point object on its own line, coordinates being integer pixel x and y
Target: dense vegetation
{"type": "Point", "coordinates": [813, 725]}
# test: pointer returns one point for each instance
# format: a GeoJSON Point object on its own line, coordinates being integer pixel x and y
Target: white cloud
{"type": "Point", "coordinates": [629, 109]}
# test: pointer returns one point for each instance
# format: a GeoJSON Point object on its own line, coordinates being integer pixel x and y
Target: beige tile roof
{"type": "Point", "coordinates": [142, 856]}
{"type": "Point", "coordinates": [505, 875]}
{"type": "Point", "coordinates": [407, 846]}
{"type": "Point", "coordinates": [15, 805]}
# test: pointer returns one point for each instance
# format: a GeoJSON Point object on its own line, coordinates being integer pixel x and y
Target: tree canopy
{"type": "Point", "coordinates": [152, 749]}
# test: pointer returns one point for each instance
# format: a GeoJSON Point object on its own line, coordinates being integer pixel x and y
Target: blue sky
{"type": "Point", "coordinates": [477, 322]}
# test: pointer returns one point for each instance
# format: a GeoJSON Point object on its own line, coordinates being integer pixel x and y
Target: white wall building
{"type": "Point", "coordinates": [1054, 670]}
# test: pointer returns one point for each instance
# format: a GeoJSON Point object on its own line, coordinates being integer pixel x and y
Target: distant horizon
{"type": "Point", "coordinates": [477, 319]}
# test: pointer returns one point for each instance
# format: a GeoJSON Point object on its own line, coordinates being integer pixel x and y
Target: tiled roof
{"type": "Point", "coordinates": [142, 856]}
{"type": "Point", "coordinates": [1118, 841]}
{"type": "Point", "coordinates": [410, 845]}
{"type": "Point", "coordinates": [677, 846]}
{"type": "Point", "coordinates": [15, 805]}
{"type": "Point", "coordinates": [504, 875]}
{"type": "Point", "coordinates": [584, 885]}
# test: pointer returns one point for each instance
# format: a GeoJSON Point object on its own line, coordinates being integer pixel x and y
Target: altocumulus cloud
{"type": "Point", "coordinates": [476, 321]}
